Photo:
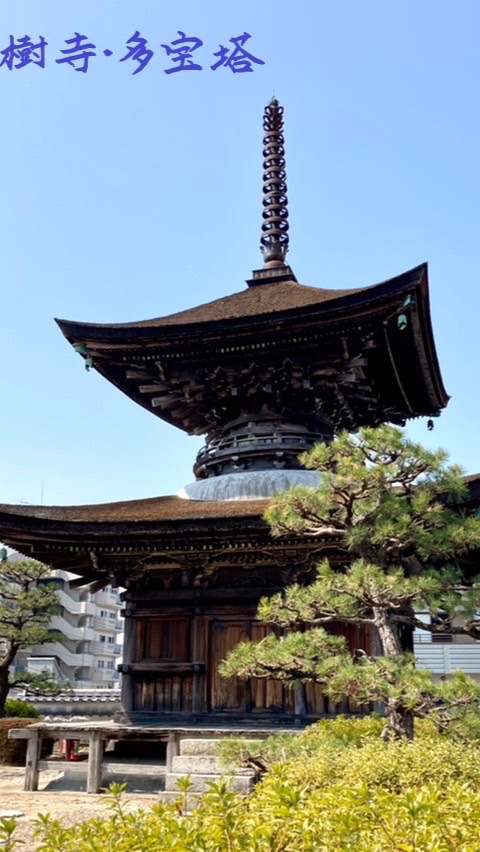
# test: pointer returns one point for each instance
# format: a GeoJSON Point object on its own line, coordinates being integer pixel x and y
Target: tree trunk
{"type": "Point", "coordinates": [6, 661]}
{"type": "Point", "coordinates": [388, 634]}
{"type": "Point", "coordinates": [4, 687]}
{"type": "Point", "coordinates": [399, 722]}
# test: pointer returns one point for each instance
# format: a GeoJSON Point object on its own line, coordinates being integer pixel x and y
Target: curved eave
{"type": "Point", "coordinates": [426, 345]}
{"type": "Point", "coordinates": [150, 513]}
{"type": "Point", "coordinates": [414, 370]}
{"type": "Point", "coordinates": [342, 304]}
{"type": "Point", "coordinates": [414, 355]}
{"type": "Point", "coordinates": [70, 537]}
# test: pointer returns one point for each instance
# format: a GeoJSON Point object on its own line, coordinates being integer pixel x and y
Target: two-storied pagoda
{"type": "Point", "coordinates": [263, 373]}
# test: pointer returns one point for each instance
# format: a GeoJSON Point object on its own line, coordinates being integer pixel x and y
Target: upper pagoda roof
{"type": "Point", "coordinates": [269, 301]}
{"type": "Point", "coordinates": [367, 353]}
{"type": "Point", "coordinates": [255, 302]}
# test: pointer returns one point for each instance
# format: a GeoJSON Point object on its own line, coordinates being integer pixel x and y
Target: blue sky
{"type": "Point", "coordinates": [128, 196]}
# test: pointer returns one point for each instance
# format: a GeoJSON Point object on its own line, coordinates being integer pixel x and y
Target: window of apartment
{"type": "Point", "coordinates": [103, 613]}
{"type": "Point", "coordinates": [100, 664]}
{"type": "Point", "coordinates": [103, 638]}
{"type": "Point", "coordinates": [112, 615]}
{"type": "Point", "coordinates": [111, 640]}
{"type": "Point", "coordinates": [110, 664]}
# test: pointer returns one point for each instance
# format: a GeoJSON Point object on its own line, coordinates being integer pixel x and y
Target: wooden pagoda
{"type": "Point", "coordinates": [263, 373]}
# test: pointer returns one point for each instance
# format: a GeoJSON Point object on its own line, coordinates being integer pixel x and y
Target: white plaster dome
{"type": "Point", "coordinates": [248, 485]}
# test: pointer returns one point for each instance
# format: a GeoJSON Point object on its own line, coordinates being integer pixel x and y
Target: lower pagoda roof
{"type": "Point", "coordinates": [157, 510]}
{"type": "Point", "coordinates": [113, 540]}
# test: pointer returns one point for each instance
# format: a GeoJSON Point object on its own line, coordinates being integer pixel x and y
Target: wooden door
{"type": "Point", "coordinates": [162, 642]}
{"type": "Point", "coordinates": [231, 695]}
{"type": "Point", "coordinates": [268, 694]}
{"type": "Point", "coordinates": [256, 695]}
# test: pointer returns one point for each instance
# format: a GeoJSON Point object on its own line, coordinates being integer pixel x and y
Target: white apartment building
{"type": "Point", "coordinates": [86, 638]}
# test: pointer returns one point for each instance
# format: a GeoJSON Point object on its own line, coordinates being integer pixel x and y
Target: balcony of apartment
{"type": "Point", "coordinates": [69, 658]}
{"type": "Point", "coordinates": [105, 624]}
{"type": "Point", "coordinates": [109, 649]}
{"type": "Point", "coordinates": [76, 607]}
{"type": "Point", "coordinates": [70, 631]}
{"type": "Point", "coordinates": [102, 676]}
{"type": "Point", "coordinates": [443, 656]}
{"type": "Point", "coordinates": [107, 597]}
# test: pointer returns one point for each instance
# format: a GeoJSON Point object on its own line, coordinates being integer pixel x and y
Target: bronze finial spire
{"type": "Point", "coordinates": [274, 241]}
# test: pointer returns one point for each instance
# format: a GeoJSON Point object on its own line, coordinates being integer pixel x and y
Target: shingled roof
{"type": "Point", "coordinates": [66, 536]}
{"type": "Point", "coordinates": [152, 509]}
{"type": "Point", "coordinates": [276, 297]}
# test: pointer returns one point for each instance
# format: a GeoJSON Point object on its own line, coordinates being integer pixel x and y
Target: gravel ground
{"type": "Point", "coordinates": [59, 796]}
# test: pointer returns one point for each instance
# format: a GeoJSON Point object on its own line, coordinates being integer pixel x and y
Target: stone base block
{"type": "Point", "coordinates": [199, 747]}
{"type": "Point", "coordinates": [199, 783]}
{"type": "Point", "coordinates": [188, 764]}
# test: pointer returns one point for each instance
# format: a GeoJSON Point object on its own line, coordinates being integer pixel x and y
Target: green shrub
{"type": "Point", "coordinates": [431, 818]}
{"type": "Point", "coordinates": [348, 790]}
{"type": "Point", "coordinates": [12, 752]}
{"type": "Point", "coordinates": [394, 766]}
{"type": "Point", "coordinates": [20, 709]}
{"type": "Point", "coordinates": [337, 733]}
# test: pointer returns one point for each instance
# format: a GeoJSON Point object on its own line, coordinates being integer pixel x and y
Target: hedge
{"type": "Point", "coordinates": [14, 752]}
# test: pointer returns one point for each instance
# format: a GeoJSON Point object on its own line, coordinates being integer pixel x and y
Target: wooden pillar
{"type": "Point", "coordinates": [198, 657]}
{"type": "Point", "coordinates": [299, 702]}
{"type": "Point", "coordinates": [128, 656]}
{"type": "Point", "coordinates": [95, 755]}
{"type": "Point", "coordinates": [34, 743]}
{"type": "Point", "coordinates": [173, 748]}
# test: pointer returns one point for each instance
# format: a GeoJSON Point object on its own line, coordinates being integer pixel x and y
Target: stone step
{"type": "Point", "coordinates": [189, 764]}
{"type": "Point", "coordinates": [205, 746]}
{"type": "Point", "coordinates": [199, 783]}
{"type": "Point", "coordinates": [199, 746]}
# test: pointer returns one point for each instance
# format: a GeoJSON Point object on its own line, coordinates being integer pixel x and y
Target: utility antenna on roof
{"type": "Point", "coordinates": [274, 241]}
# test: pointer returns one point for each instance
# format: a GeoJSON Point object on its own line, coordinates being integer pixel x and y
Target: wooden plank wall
{"type": "Point", "coordinates": [206, 639]}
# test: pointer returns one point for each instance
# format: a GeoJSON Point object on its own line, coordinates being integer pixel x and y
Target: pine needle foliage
{"type": "Point", "coordinates": [390, 510]}
{"type": "Point", "coordinates": [27, 604]}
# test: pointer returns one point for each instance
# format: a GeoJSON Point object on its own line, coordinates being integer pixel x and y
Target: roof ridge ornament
{"type": "Point", "coordinates": [274, 240]}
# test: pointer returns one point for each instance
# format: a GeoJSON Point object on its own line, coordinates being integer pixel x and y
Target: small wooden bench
{"type": "Point", "coordinates": [97, 735]}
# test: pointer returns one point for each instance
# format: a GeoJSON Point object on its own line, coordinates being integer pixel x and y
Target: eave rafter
{"type": "Point", "coordinates": [361, 369]}
{"type": "Point", "coordinates": [328, 381]}
{"type": "Point", "coordinates": [193, 561]}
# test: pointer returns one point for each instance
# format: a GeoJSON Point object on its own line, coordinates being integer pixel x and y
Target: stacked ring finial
{"type": "Point", "coordinates": [274, 241]}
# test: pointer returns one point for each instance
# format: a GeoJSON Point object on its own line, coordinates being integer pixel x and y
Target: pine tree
{"type": "Point", "coordinates": [27, 604]}
{"type": "Point", "coordinates": [391, 510]}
